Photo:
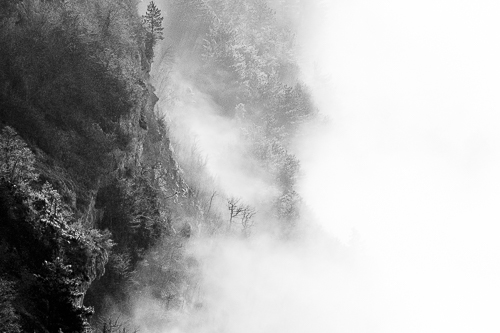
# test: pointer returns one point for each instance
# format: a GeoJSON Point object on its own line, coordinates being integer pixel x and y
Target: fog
{"type": "Point", "coordinates": [197, 122]}
{"type": "Point", "coordinates": [402, 179]}
{"type": "Point", "coordinates": [410, 160]}
{"type": "Point", "coordinates": [263, 284]}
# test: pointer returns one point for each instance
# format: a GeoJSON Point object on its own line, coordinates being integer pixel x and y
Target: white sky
{"type": "Point", "coordinates": [412, 160]}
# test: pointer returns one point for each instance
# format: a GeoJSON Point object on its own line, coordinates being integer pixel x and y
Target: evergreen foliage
{"type": "Point", "coordinates": [69, 77]}
{"type": "Point", "coordinates": [154, 30]}
{"type": "Point", "coordinates": [53, 261]}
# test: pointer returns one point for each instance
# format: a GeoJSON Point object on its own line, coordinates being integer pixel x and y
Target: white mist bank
{"type": "Point", "coordinates": [269, 286]}
{"type": "Point", "coordinates": [265, 285]}
{"type": "Point", "coordinates": [411, 159]}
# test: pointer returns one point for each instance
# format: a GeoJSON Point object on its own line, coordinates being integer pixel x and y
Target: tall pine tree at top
{"type": "Point", "coordinates": [154, 31]}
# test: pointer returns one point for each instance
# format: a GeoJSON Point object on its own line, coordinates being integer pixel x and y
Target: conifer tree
{"type": "Point", "coordinates": [154, 30]}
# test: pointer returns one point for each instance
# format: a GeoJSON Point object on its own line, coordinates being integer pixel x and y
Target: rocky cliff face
{"type": "Point", "coordinates": [79, 192]}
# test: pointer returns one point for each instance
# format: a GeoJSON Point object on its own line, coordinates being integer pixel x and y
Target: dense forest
{"type": "Point", "coordinates": [103, 184]}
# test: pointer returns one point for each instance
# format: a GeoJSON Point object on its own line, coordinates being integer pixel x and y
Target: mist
{"type": "Point", "coordinates": [410, 158]}
{"type": "Point", "coordinates": [399, 181]}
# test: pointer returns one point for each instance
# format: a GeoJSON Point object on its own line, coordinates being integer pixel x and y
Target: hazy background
{"type": "Point", "coordinates": [404, 173]}
{"type": "Point", "coordinates": [411, 158]}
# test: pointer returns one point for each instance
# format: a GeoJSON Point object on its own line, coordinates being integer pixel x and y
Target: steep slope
{"type": "Point", "coordinates": [102, 189]}
{"type": "Point", "coordinates": [77, 129]}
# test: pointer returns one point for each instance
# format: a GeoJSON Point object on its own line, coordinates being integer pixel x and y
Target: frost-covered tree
{"type": "Point", "coordinates": [16, 159]}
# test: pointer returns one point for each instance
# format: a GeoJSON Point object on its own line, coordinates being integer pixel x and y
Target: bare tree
{"type": "Point", "coordinates": [247, 220]}
{"type": "Point", "coordinates": [244, 212]}
{"type": "Point", "coordinates": [234, 210]}
{"type": "Point", "coordinates": [114, 324]}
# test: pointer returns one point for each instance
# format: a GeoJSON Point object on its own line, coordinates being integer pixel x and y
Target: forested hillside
{"type": "Point", "coordinates": [235, 59]}
{"type": "Point", "coordinates": [103, 185]}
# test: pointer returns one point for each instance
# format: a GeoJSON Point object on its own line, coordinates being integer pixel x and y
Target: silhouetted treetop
{"type": "Point", "coordinates": [154, 31]}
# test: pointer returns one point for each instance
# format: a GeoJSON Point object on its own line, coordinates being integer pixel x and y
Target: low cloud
{"type": "Point", "coordinates": [265, 285]}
